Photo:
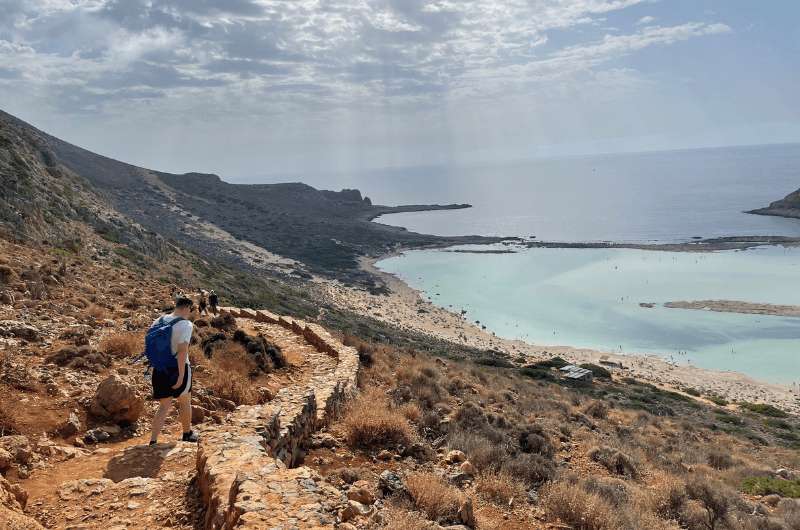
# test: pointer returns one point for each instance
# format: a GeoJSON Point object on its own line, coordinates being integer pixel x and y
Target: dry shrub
{"type": "Point", "coordinates": [582, 504]}
{"type": "Point", "coordinates": [482, 452]}
{"type": "Point", "coordinates": [96, 311]}
{"type": "Point", "coordinates": [229, 377]}
{"type": "Point", "coordinates": [411, 412]}
{"type": "Point", "coordinates": [577, 508]}
{"type": "Point", "coordinates": [533, 470]}
{"type": "Point", "coordinates": [401, 520]}
{"type": "Point", "coordinates": [615, 461]}
{"type": "Point", "coordinates": [719, 459]}
{"type": "Point", "coordinates": [421, 378]}
{"type": "Point", "coordinates": [8, 418]}
{"type": "Point", "coordinates": [597, 409]}
{"type": "Point", "coordinates": [370, 423]}
{"type": "Point", "coordinates": [7, 274]}
{"type": "Point", "coordinates": [534, 439]}
{"type": "Point", "coordinates": [501, 488]}
{"type": "Point", "coordinates": [122, 344]}
{"type": "Point", "coordinates": [433, 496]}
{"type": "Point", "coordinates": [716, 500]}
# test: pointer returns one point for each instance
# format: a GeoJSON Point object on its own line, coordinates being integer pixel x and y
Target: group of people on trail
{"type": "Point", "coordinates": [167, 351]}
{"type": "Point", "coordinates": [207, 299]}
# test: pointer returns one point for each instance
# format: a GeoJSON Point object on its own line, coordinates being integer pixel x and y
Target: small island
{"type": "Point", "coordinates": [736, 306]}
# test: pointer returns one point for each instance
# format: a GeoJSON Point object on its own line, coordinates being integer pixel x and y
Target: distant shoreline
{"type": "Point", "coordinates": [405, 307]}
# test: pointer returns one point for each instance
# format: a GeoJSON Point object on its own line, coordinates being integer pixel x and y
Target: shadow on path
{"type": "Point", "coordinates": [138, 461]}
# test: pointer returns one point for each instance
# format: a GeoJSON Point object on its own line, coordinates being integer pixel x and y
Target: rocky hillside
{"type": "Point", "coordinates": [321, 231]}
{"type": "Point", "coordinates": [789, 206]}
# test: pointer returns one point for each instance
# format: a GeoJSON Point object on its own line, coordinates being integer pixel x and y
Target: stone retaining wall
{"type": "Point", "coordinates": [245, 466]}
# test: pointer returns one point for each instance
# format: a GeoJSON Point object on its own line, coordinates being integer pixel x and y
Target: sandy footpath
{"type": "Point", "coordinates": [407, 309]}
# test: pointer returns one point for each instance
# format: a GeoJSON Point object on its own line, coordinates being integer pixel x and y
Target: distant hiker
{"type": "Point", "coordinates": [203, 302]}
{"type": "Point", "coordinates": [213, 301]}
{"type": "Point", "coordinates": [167, 350]}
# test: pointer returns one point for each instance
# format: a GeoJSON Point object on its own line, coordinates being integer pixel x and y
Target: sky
{"type": "Point", "coordinates": [271, 87]}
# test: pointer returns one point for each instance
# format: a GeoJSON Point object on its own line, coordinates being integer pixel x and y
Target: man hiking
{"type": "Point", "coordinates": [213, 301]}
{"type": "Point", "coordinates": [202, 302]}
{"type": "Point", "coordinates": [167, 350]}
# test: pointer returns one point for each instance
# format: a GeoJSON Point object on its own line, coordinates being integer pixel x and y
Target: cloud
{"type": "Point", "coordinates": [350, 52]}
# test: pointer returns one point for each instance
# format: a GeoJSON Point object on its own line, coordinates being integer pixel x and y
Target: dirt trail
{"type": "Point", "coordinates": [128, 485]}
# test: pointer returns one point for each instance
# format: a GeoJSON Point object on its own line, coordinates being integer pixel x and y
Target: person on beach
{"type": "Point", "coordinates": [213, 301]}
{"type": "Point", "coordinates": [172, 378]}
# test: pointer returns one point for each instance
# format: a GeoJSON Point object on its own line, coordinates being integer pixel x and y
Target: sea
{"type": "Point", "coordinates": [592, 297]}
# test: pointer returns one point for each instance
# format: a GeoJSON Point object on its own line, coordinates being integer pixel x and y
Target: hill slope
{"type": "Point", "coordinates": [789, 206]}
{"type": "Point", "coordinates": [324, 230]}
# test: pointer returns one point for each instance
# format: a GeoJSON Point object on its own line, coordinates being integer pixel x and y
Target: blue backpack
{"type": "Point", "coordinates": [158, 345]}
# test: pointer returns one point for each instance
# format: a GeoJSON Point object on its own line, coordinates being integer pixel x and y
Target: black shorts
{"type": "Point", "coordinates": [164, 380]}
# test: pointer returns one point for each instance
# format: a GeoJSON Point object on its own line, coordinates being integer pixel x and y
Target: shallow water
{"type": "Point", "coordinates": [590, 298]}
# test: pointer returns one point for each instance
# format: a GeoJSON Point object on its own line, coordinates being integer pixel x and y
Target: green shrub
{"type": "Point", "coordinates": [537, 373]}
{"type": "Point", "coordinates": [772, 486]}
{"type": "Point", "coordinates": [717, 400]}
{"type": "Point", "coordinates": [555, 362]}
{"type": "Point", "coordinates": [763, 408]}
{"type": "Point", "coordinates": [598, 371]}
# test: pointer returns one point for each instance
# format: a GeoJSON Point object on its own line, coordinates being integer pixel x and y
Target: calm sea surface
{"type": "Point", "coordinates": [590, 298]}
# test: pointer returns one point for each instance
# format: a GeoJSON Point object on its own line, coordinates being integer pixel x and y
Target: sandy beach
{"type": "Point", "coordinates": [407, 309]}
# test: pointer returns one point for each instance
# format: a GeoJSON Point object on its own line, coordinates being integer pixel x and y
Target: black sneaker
{"type": "Point", "coordinates": [153, 442]}
{"type": "Point", "coordinates": [190, 436]}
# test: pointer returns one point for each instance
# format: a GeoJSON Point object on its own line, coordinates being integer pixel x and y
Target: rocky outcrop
{"type": "Point", "coordinates": [789, 206]}
{"type": "Point", "coordinates": [12, 501]}
{"type": "Point", "coordinates": [246, 467]}
{"type": "Point", "coordinates": [117, 400]}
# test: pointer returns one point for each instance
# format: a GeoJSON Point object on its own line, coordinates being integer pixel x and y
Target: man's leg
{"type": "Point", "coordinates": [161, 416]}
{"type": "Point", "coordinates": [185, 410]}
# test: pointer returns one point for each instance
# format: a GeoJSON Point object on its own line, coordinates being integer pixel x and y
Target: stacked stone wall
{"type": "Point", "coordinates": [246, 466]}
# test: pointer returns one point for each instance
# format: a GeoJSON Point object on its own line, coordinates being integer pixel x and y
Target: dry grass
{"type": "Point", "coordinates": [8, 418]}
{"type": "Point", "coordinates": [370, 423]}
{"type": "Point", "coordinates": [501, 488]}
{"type": "Point", "coordinates": [411, 412]}
{"type": "Point", "coordinates": [96, 311]}
{"type": "Point", "coordinates": [122, 344]}
{"type": "Point", "coordinates": [400, 520]}
{"type": "Point", "coordinates": [229, 375]}
{"type": "Point", "coordinates": [575, 507]}
{"type": "Point", "coordinates": [615, 461]}
{"type": "Point", "coordinates": [433, 496]}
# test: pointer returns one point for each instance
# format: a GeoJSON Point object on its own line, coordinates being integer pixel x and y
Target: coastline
{"type": "Point", "coordinates": [407, 309]}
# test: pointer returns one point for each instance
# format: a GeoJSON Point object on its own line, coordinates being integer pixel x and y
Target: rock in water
{"type": "Point", "coordinates": [117, 400]}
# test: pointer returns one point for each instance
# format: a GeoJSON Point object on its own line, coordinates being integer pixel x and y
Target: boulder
{"type": "Point", "coordinates": [419, 451]}
{"type": "Point", "coordinates": [361, 495]}
{"type": "Point", "coordinates": [18, 447]}
{"type": "Point", "coordinates": [6, 459]}
{"type": "Point", "coordinates": [71, 426]}
{"type": "Point", "coordinates": [19, 330]}
{"type": "Point", "coordinates": [355, 509]}
{"type": "Point", "coordinates": [390, 483]}
{"type": "Point", "coordinates": [117, 401]}
{"type": "Point", "coordinates": [12, 495]}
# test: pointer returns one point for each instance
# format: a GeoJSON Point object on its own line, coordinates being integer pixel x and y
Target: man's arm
{"type": "Point", "coordinates": [183, 353]}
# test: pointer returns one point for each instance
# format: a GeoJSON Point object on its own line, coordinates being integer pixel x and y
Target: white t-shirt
{"type": "Point", "coordinates": [181, 332]}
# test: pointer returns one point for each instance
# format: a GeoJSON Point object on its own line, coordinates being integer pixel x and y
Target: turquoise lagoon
{"type": "Point", "coordinates": [590, 298]}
